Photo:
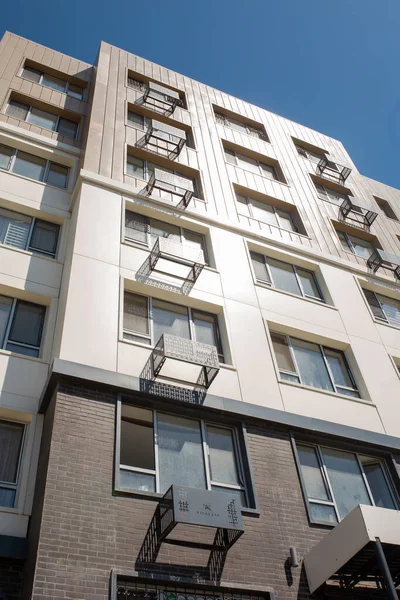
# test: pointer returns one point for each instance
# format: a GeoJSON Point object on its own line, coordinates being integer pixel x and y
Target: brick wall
{"type": "Point", "coordinates": [86, 531]}
{"type": "Point", "coordinates": [10, 579]}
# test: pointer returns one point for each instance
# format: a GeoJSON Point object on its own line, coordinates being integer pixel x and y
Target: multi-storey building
{"type": "Point", "coordinates": [197, 293]}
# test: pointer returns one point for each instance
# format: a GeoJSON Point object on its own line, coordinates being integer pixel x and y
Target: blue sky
{"type": "Point", "coordinates": [333, 66]}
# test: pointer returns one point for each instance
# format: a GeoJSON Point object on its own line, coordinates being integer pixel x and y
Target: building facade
{"type": "Point", "coordinates": [197, 293]}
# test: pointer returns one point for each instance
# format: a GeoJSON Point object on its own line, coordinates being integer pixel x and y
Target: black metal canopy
{"type": "Point", "coordinates": [331, 170]}
{"type": "Point", "coordinates": [164, 139]}
{"type": "Point", "coordinates": [380, 258]}
{"type": "Point", "coordinates": [357, 211]}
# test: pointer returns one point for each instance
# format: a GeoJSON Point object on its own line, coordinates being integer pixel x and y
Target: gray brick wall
{"type": "Point", "coordinates": [85, 530]}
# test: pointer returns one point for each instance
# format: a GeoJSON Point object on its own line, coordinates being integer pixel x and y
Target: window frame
{"type": "Point", "coordinates": [236, 154]}
{"type": "Point", "coordinates": [382, 460]}
{"type": "Point", "coordinates": [253, 131]}
{"type": "Point", "coordinates": [321, 298]}
{"type": "Point", "coordinates": [275, 210]}
{"type": "Point", "coordinates": [47, 168]}
{"type": "Point", "coordinates": [148, 234]}
{"type": "Point", "coordinates": [15, 486]}
{"type": "Point", "coordinates": [42, 75]}
{"type": "Point", "coordinates": [10, 321]}
{"type": "Point", "coordinates": [323, 194]}
{"type": "Point", "coordinates": [377, 299]}
{"type": "Point", "coordinates": [28, 247]}
{"type": "Point", "coordinates": [57, 122]}
{"type": "Point", "coordinates": [150, 337]}
{"type": "Point", "coordinates": [246, 482]}
{"type": "Point", "coordinates": [350, 245]}
{"type": "Point", "coordinates": [336, 389]}
{"type": "Point", "coordinates": [147, 173]}
{"type": "Point", "coordinates": [311, 155]}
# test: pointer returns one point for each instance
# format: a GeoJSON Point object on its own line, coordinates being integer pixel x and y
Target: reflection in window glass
{"type": "Point", "coordinates": [170, 318]}
{"type": "Point", "coordinates": [222, 455]}
{"type": "Point", "coordinates": [29, 166]}
{"type": "Point", "coordinates": [311, 365]}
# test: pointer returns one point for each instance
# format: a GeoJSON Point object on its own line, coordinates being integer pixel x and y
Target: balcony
{"type": "Point", "coordinates": [166, 252]}
{"type": "Point", "coordinates": [202, 509]}
{"type": "Point", "coordinates": [383, 259]}
{"type": "Point", "coordinates": [168, 182]}
{"type": "Point", "coordinates": [161, 98]}
{"type": "Point", "coordinates": [330, 170]}
{"type": "Point", "coordinates": [357, 211]}
{"type": "Point", "coordinates": [198, 363]}
{"type": "Point", "coordinates": [361, 555]}
{"type": "Point", "coordinates": [163, 139]}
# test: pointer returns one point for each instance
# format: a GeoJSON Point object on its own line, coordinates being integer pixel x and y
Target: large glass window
{"type": "Point", "coordinates": [251, 164]}
{"type": "Point", "coordinates": [356, 245]}
{"type": "Point", "coordinates": [33, 167]}
{"type": "Point", "coordinates": [142, 229]}
{"type": "Point", "coordinates": [11, 439]}
{"type": "Point", "coordinates": [28, 233]}
{"type": "Point", "coordinates": [286, 277]}
{"type": "Point", "coordinates": [331, 195]}
{"type": "Point", "coordinates": [146, 319]}
{"type": "Point", "coordinates": [42, 118]}
{"type": "Point", "coordinates": [21, 326]}
{"type": "Point", "coordinates": [266, 213]}
{"type": "Point", "coordinates": [143, 169]}
{"type": "Point", "coordinates": [241, 126]}
{"type": "Point", "coordinates": [312, 155]}
{"type": "Point", "coordinates": [159, 449]}
{"type": "Point", "coordinates": [336, 481]}
{"type": "Point", "coordinates": [55, 83]}
{"type": "Point", "coordinates": [314, 365]}
{"type": "Point", "coordinates": [383, 308]}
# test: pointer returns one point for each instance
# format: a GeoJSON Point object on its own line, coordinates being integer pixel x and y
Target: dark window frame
{"type": "Point", "coordinates": [42, 74]}
{"type": "Point", "coordinates": [251, 130]}
{"type": "Point", "coordinates": [150, 336]}
{"type": "Point", "coordinates": [278, 176]}
{"type": "Point", "coordinates": [385, 319]}
{"type": "Point", "coordinates": [351, 248]}
{"type": "Point", "coordinates": [143, 127]}
{"type": "Point", "coordinates": [34, 222]}
{"type": "Point", "coordinates": [272, 285]}
{"type": "Point", "coordinates": [58, 120]}
{"type": "Point", "coordinates": [47, 168]}
{"type": "Point", "coordinates": [147, 172]}
{"type": "Point", "coordinates": [276, 210]}
{"type": "Point", "coordinates": [240, 441]}
{"type": "Point", "coordinates": [15, 485]}
{"type": "Point", "coordinates": [16, 302]}
{"type": "Point", "coordinates": [387, 460]}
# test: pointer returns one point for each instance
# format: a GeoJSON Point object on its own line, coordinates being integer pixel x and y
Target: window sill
{"type": "Point", "coordinates": [43, 183]}
{"type": "Point", "coordinates": [327, 392]}
{"type": "Point", "coordinates": [23, 356]}
{"type": "Point", "coordinates": [30, 253]}
{"type": "Point", "coordinates": [397, 327]}
{"type": "Point", "coordinates": [155, 497]}
{"type": "Point", "coordinates": [149, 347]}
{"type": "Point", "coordinates": [318, 303]}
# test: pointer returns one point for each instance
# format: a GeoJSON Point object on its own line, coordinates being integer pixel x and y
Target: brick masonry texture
{"type": "Point", "coordinates": [86, 531]}
{"type": "Point", "coordinates": [10, 579]}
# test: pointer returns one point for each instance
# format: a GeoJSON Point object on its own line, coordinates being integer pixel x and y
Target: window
{"type": "Point", "coordinates": [144, 230]}
{"type": "Point", "coordinates": [241, 126]}
{"type": "Point", "coordinates": [158, 450]}
{"type": "Point", "coordinates": [159, 98]}
{"type": "Point", "coordinates": [266, 213]}
{"type": "Point", "coordinates": [312, 155]}
{"type": "Point", "coordinates": [286, 277]}
{"type": "Point", "coordinates": [21, 325]}
{"type": "Point", "coordinates": [383, 308]}
{"type": "Point", "coordinates": [11, 441]}
{"type": "Point", "coordinates": [250, 164]}
{"type": "Point", "coordinates": [143, 169]}
{"type": "Point", "coordinates": [146, 319]}
{"type": "Point", "coordinates": [336, 481]}
{"type": "Point", "coordinates": [143, 123]}
{"type": "Point", "coordinates": [42, 118]}
{"type": "Point", "coordinates": [55, 83]}
{"type": "Point", "coordinates": [386, 208]}
{"type": "Point", "coordinates": [28, 233]}
{"type": "Point", "coordinates": [314, 365]}
{"type": "Point", "coordinates": [331, 195]}
{"type": "Point", "coordinates": [33, 167]}
{"type": "Point", "coordinates": [356, 245]}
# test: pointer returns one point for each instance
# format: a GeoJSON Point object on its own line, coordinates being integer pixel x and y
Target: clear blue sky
{"type": "Point", "coordinates": [333, 66]}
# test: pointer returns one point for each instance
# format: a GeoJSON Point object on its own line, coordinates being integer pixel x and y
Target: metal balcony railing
{"type": "Point", "coordinates": [356, 210]}
{"type": "Point", "coordinates": [380, 258]}
{"type": "Point", "coordinates": [177, 253]}
{"type": "Point", "coordinates": [162, 97]}
{"type": "Point", "coordinates": [330, 170]}
{"type": "Point", "coordinates": [169, 182]}
{"type": "Point", "coordinates": [187, 351]}
{"type": "Point", "coordinates": [164, 139]}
